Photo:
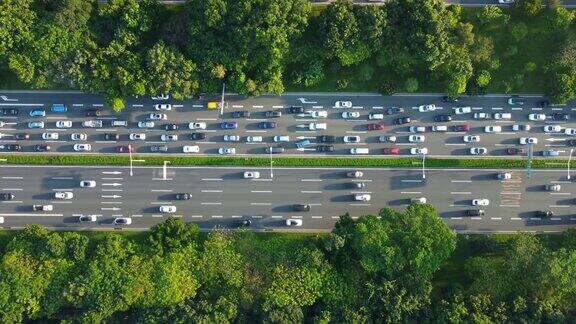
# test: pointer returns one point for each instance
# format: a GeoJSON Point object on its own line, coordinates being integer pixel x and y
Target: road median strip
{"type": "Point", "coordinates": [283, 161]}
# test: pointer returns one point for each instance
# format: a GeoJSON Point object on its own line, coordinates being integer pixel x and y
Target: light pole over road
{"type": "Point", "coordinates": [164, 170]}
{"type": "Point", "coordinates": [568, 165]}
{"type": "Point", "coordinates": [271, 162]}
{"type": "Point", "coordinates": [222, 100]}
{"type": "Point", "coordinates": [423, 166]}
{"type": "Point", "coordinates": [130, 153]}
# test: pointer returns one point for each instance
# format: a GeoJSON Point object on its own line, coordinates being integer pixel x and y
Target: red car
{"type": "Point", "coordinates": [376, 126]}
{"type": "Point", "coordinates": [391, 150]}
{"type": "Point", "coordinates": [125, 149]}
{"type": "Point", "coordinates": [461, 128]}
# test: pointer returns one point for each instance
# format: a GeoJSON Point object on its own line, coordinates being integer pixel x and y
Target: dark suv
{"type": "Point", "coordinates": [325, 139]}
{"type": "Point", "coordinates": [296, 110]}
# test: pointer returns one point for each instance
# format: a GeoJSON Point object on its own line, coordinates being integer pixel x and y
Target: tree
{"type": "Point", "coordinates": [492, 17]}
{"type": "Point", "coordinates": [519, 31]}
{"type": "Point", "coordinates": [529, 7]}
{"type": "Point", "coordinates": [172, 235]}
{"type": "Point", "coordinates": [483, 79]}
{"type": "Point", "coordinates": [560, 88]}
{"type": "Point", "coordinates": [559, 19]}
{"type": "Point", "coordinates": [411, 85]}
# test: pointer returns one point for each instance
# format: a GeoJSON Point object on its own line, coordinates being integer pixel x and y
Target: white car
{"type": "Point", "coordinates": [481, 115]}
{"type": "Point", "coordinates": [163, 107]}
{"type": "Point", "coordinates": [426, 108]}
{"type": "Point", "coordinates": [416, 138]}
{"type": "Point", "coordinates": [87, 184]}
{"type": "Point", "coordinates": [163, 96]}
{"type": "Point", "coordinates": [419, 151]}
{"type": "Point", "coordinates": [251, 175]}
{"type": "Point", "coordinates": [471, 138]}
{"type": "Point", "coordinates": [420, 200]}
{"type": "Point", "coordinates": [518, 127]}
{"type": "Point", "coordinates": [293, 222]}
{"type": "Point", "coordinates": [82, 147]}
{"type": "Point", "coordinates": [343, 104]}
{"type": "Point", "coordinates": [537, 117]}
{"type": "Point", "coordinates": [191, 149]}
{"type": "Point", "coordinates": [197, 125]}
{"type": "Point", "coordinates": [439, 128]}
{"type": "Point", "coordinates": [552, 129]}
{"type": "Point", "coordinates": [254, 139]}
{"type": "Point", "coordinates": [351, 139]}
{"type": "Point", "coordinates": [478, 150]}
{"type": "Point", "coordinates": [87, 218]}
{"type": "Point", "coordinates": [570, 131]}
{"type": "Point", "coordinates": [63, 195]}
{"type": "Point", "coordinates": [154, 116]}
{"type": "Point", "coordinates": [417, 129]}
{"type": "Point", "coordinates": [462, 110]}
{"type": "Point", "coordinates": [226, 151]}
{"type": "Point", "coordinates": [50, 136]}
{"type": "Point", "coordinates": [167, 209]}
{"type": "Point", "coordinates": [502, 116]}
{"type": "Point", "coordinates": [137, 136]}
{"type": "Point", "coordinates": [122, 221]}
{"type": "Point", "coordinates": [64, 124]}
{"type": "Point", "coordinates": [350, 115]}
{"type": "Point", "coordinates": [92, 123]}
{"type": "Point", "coordinates": [318, 113]}
{"type": "Point", "coordinates": [281, 138]}
{"type": "Point", "coordinates": [504, 176]}
{"type": "Point", "coordinates": [362, 197]}
{"type": "Point", "coordinates": [231, 138]}
{"type": "Point", "coordinates": [168, 137]}
{"type": "Point", "coordinates": [493, 129]}
{"type": "Point", "coordinates": [146, 124]}
{"type": "Point", "coordinates": [480, 202]}
{"type": "Point", "coordinates": [317, 126]}
{"type": "Point", "coordinates": [528, 140]}
{"type": "Point", "coordinates": [78, 137]}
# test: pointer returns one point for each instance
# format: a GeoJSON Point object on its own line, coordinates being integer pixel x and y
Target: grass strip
{"type": "Point", "coordinates": [282, 161]}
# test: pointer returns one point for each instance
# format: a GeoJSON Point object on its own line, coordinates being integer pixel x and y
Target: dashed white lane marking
{"type": "Point", "coordinates": [196, 216]}
{"type": "Point", "coordinates": [509, 205]}
{"type": "Point", "coordinates": [555, 218]}
{"type": "Point", "coordinates": [212, 179]}
{"type": "Point", "coordinates": [217, 216]}
{"type": "Point", "coordinates": [13, 189]}
{"type": "Point", "coordinates": [410, 192]}
{"type": "Point", "coordinates": [452, 205]}
{"type": "Point", "coordinates": [316, 217]}
{"type": "Point", "coordinates": [510, 193]}
{"type": "Point", "coordinates": [356, 132]}
{"type": "Point", "coordinates": [411, 180]}
{"type": "Point", "coordinates": [460, 181]}
{"type": "Point", "coordinates": [455, 217]}
{"type": "Point", "coordinates": [317, 107]}
{"type": "Point", "coordinates": [197, 106]}
{"type": "Point", "coordinates": [137, 105]}
{"type": "Point", "coordinates": [561, 193]}
{"type": "Point", "coordinates": [496, 218]}
{"type": "Point", "coordinates": [461, 193]}
{"type": "Point", "coordinates": [476, 218]}
{"type": "Point", "coordinates": [260, 204]}
{"type": "Point", "coordinates": [311, 180]}
{"type": "Point", "coordinates": [261, 191]}
{"type": "Point", "coordinates": [357, 204]}
{"type": "Point", "coordinates": [213, 191]}
{"type": "Point", "coordinates": [161, 190]}
{"type": "Point", "coordinates": [98, 105]}
{"type": "Point", "coordinates": [536, 108]}
{"type": "Point", "coordinates": [535, 218]}
{"type": "Point", "coordinates": [559, 206]}
{"type": "Point", "coordinates": [77, 105]}
{"type": "Point", "coordinates": [515, 218]}
{"type": "Point", "coordinates": [311, 191]}
{"type": "Point", "coordinates": [206, 119]}
{"type": "Point", "coordinates": [496, 108]}
{"type": "Point", "coordinates": [278, 107]}
{"type": "Point", "coordinates": [237, 106]}
{"type": "Point", "coordinates": [211, 203]}
{"type": "Point", "coordinates": [16, 178]}
{"type": "Point", "coordinates": [257, 106]}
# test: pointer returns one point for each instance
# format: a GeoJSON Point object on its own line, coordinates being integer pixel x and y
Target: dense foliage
{"type": "Point", "coordinates": [385, 269]}
{"type": "Point", "coordinates": [131, 47]}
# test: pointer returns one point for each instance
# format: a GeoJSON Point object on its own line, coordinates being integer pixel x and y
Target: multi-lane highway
{"type": "Point", "coordinates": [444, 143]}
{"type": "Point", "coordinates": [220, 196]}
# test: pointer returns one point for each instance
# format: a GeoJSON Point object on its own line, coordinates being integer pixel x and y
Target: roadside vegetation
{"type": "Point", "coordinates": [398, 267]}
{"type": "Point", "coordinates": [280, 161]}
{"type": "Point", "coordinates": [131, 47]}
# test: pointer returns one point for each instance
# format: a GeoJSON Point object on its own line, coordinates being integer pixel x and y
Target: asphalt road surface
{"type": "Point", "coordinates": [222, 197]}
{"type": "Point", "coordinates": [450, 143]}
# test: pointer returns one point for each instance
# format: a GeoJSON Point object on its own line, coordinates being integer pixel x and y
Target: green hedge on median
{"type": "Point", "coordinates": [281, 161]}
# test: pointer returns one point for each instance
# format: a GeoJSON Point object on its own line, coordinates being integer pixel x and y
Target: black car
{"type": "Point", "coordinates": [325, 139]}
{"type": "Point", "coordinates": [571, 142]}
{"type": "Point", "coordinates": [560, 116]}
{"type": "Point", "coordinates": [12, 147]}
{"type": "Point", "coordinates": [42, 148]}
{"type": "Point", "coordinates": [296, 110]}
{"type": "Point", "coordinates": [23, 136]}
{"type": "Point", "coordinates": [10, 111]}
{"type": "Point", "coordinates": [244, 223]}
{"type": "Point", "coordinates": [275, 150]}
{"type": "Point", "coordinates": [267, 125]}
{"type": "Point", "coordinates": [544, 213]}
{"type": "Point", "coordinates": [442, 118]}
{"type": "Point", "coordinates": [394, 110]}
{"type": "Point", "coordinates": [325, 148]}
{"type": "Point", "coordinates": [111, 137]}
{"type": "Point", "coordinates": [302, 207]}
{"type": "Point", "coordinates": [402, 120]}
{"type": "Point", "coordinates": [273, 113]}
{"type": "Point", "coordinates": [93, 113]}
{"type": "Point", "coordinates": [449, 99]}
{"type": "Point", "coordinates": [544, 103]}
{"type": "Point", "coordinates": [475, 212]}
{"type": "Point", "coordinates": [198, 136]}
{"type": "Point", "coordinates": [515, 151]}
{"type": "Point", "coordinates": [171, 127]}
{"type": "Point", "coordinates": [241, 114]}
{"type": "Point", "coordinates": [183, 196]}
{"type": "Point", "coordinates": [6, 196]}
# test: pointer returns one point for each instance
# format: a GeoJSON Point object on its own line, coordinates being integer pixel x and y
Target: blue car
{"type": "Point", "coordinates": [229, 125]}
{"type": "Point", "coordinates": [37, 124]}
{"type": "Point", "coordinates": [59, 108]}
{"type": "Point", "coordinates": [38, 113]}
{"type": "Point", "coordinates": [267, 125]}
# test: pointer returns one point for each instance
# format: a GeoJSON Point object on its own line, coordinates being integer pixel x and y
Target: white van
{"type": "Point", "coordinates": [116, 123]}
{"type": "Point", "coordinates": [502, 116]}
{"type": "Point", "coordinates": [281, 138]}
{"type": "Point", "coordinates": [375, 116]}
{"type": "Point", "coordinates": [439, 128]}
{"type": "Point", "coordinates": [359, 151]}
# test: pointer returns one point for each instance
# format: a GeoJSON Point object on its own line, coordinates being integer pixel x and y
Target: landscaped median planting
{"type": "Point", "coordinates": [282, 161]}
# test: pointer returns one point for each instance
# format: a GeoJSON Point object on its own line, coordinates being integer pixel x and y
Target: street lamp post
{"type": "Point", "coordinates": [222, 100]}
{"type": "Point", "coordinates": [130, 153]}
{"type": "Point", "coordinates": [271, 162]}
{"type": "Point", "coordinates": [164, 170]}
{"type": "Point", "coordinates": [568, 165]}
{"type": "Point", "coordinates": [423, 166]}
